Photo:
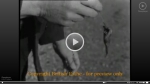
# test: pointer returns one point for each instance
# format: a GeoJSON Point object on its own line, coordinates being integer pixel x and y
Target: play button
{"type": "Point", "coordinates": [74, 42]}
{"type": "Point", "coordinates": [142, 5]}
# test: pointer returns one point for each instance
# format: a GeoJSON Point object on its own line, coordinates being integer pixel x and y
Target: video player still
{"type": "Point", "coordinates": [75, 40]}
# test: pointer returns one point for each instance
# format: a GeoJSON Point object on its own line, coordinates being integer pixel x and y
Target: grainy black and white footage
{"type": "Point", "coordinates": [116, 14]}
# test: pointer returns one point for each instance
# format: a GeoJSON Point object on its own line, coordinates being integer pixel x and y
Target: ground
{"type": "Point", "coordinates": [116, 13]}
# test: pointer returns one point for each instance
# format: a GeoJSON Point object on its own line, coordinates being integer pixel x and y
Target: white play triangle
{"type": "Point", "coordinates": [75, 41]}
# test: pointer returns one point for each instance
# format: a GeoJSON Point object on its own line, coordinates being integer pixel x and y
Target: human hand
{"type": "Point", "coordinates": [67, 12]}
{"type": "Point", "coordinates": [72, 63]}
{"type": "Point", "coordinates": [70, 59]}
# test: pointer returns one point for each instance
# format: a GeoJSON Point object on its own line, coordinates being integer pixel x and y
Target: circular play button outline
{"type": "Point", "coordinates": [144, 4]}
{"type": "Point", "coordinates": [81, 38]}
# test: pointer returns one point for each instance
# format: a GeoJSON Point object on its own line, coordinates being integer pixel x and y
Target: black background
{"type": "Point", "coordinates": [9, 39]}
{"type": "Point", "coordinates": [140, 42]}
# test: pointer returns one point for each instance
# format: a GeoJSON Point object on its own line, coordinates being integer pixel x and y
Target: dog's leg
{"type": "Point", "coordinates": [36, 58]}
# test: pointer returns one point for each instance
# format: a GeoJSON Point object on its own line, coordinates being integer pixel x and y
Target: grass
{"type": "Point", "coordinates": [116, 13]}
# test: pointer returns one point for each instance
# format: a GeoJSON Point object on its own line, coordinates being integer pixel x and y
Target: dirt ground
{"type": "Point", "coordinates": [116, 13]}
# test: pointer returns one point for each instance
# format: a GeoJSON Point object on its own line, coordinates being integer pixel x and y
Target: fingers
{"type": "Point", "coordinates": [85, 11]}
{"type": "Point", "coordinates": [95, 4]}
{"type": "Point", "coordinates": [67, 23]}
{"type": "Point", "coordinates": [74, 17]}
